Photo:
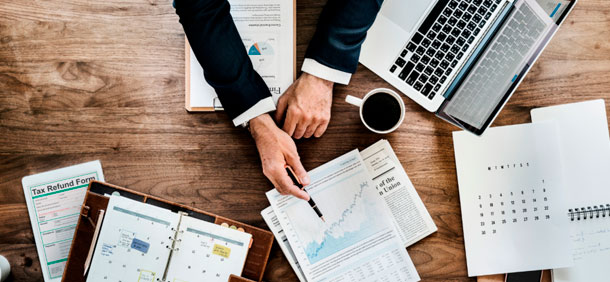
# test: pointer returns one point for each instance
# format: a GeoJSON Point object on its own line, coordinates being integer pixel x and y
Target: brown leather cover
{"type": "Point", "coordinates": [254, 267]}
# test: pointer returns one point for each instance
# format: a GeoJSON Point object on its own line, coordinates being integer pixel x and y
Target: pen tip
{"type": "Point", "coordinates": [322, 219]}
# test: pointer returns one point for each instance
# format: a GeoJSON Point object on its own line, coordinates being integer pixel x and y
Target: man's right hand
{"type": "Point", "coordinates": [277, 149]}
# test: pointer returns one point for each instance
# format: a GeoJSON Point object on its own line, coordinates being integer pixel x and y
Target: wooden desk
{"type": "Point", "coordinates": [83, 80]}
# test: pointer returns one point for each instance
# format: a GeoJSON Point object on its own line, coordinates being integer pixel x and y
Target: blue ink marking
{"type": "Point", "coordinates": [107, 250]}
{"type": "Point", "coordinates": [556, 8]}
{"type": "Point", "coordinates": [514, 77]}
{"type": "Point", "coordinates": [140, 245]}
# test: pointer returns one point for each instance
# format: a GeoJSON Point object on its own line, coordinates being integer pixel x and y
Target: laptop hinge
{"type": "Point", "coordinates": [482, 44]}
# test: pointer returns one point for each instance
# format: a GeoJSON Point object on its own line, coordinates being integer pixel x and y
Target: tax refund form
{"type": "Point", "coordinates": [54, 199]}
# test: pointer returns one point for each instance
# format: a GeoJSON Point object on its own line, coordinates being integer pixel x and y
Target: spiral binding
{"type": "Point", "coordinates": [589, 212]}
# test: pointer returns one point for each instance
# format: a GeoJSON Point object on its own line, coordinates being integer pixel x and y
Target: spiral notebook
{"type": "Point", "coordinates": [585, 153]}
{"type": "Point", "coordinates": [145, 243]}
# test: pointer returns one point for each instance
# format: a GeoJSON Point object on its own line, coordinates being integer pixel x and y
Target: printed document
{"type": "Point", "coordinates": [54, 199]}
{"type": "Point", "coordinates": [266, 28]}
{"type": "Point", "coordinates": [358, 241]}
{"type": "Point", "coordinates": [512, 197]}
{"type": "Point", "coordinates": [585, 148]}
{"type": "Point", "coordinates": [274, 224]}
{"type": "Point", "coordinates": [409, 214]}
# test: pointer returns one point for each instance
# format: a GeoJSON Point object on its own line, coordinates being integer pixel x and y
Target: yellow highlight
{"type": "Point", "coordinates": [146, 276]}
{"type": "Point", "coordinates": [221, 251]}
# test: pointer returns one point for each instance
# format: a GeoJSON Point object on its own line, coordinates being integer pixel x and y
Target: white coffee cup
{"type": "Point", "coordinates": [361, 102]}
{"type": "Point", "coordinates": [5, 268]}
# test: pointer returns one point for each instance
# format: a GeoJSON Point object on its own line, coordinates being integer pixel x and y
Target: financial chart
{"type": "Point", "coordinates": [351, 223]}
{"type": "Point", "coordinates": [357, 242]}
{"type": "Point", "coordinates": [262, 50]}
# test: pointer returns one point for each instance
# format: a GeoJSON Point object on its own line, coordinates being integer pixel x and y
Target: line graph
{"type": "Point", "coordinates": [353, 220]}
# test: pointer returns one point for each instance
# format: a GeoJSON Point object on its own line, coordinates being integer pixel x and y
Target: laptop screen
{"type": "Point", "coordinates": [493, 78]}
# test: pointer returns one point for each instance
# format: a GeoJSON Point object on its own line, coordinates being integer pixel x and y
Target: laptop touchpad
{"type": "Point", "coordinates": [405, 13]}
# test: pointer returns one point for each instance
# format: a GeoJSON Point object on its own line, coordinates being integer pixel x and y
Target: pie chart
{"type": "Point", "coordinates": [262, 55]}
{"type": "Point", "coordinates": [260, 48]}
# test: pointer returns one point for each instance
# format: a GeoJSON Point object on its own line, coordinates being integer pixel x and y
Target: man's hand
{"type": "Point", "coordinates": [276, 150]}
{"type": "Point", "coordinates": [306, 104]}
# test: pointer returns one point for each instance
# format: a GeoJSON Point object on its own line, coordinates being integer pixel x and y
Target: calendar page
{"type": "Point", "coordinates": [512, 199]}
{"type": "Point", "coordinates": [207, 252]}
{"type": "Point", "coordinates": [133, 243]}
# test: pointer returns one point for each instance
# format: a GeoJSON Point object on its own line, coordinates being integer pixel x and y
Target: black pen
{"type": "Point", "coordinates": [297, 182]}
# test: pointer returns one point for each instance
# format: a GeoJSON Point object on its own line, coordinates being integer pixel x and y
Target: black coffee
{"type": "Point", "coordinates": [381, 111]}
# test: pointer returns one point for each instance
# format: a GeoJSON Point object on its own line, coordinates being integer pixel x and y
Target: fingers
{"type": "Point", "coordinates": [295, 162]}
{"type": "Point", "coordinates": [286, 187]}
{"type": "Point", "coordinates": [301, 127]}
{"type": "Point", "coordinates": [310, 130]}
{"type": "Point", "coordinates": [281, 108]}
{"type": "Point", "coordinates": [321, 129]}
{"type": "Point", "coordinates": [290, 123]}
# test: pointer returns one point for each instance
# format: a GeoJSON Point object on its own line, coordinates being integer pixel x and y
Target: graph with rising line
{"type": "Point", "coordinates": [353, 220]}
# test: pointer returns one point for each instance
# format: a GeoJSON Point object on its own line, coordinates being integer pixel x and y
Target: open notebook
{"type": "Point", "coordinates": [585, 147]}
{"type": "Point", "coordinates": [145, 243]}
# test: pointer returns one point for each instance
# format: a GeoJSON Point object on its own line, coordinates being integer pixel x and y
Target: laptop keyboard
{"type": "Point", "coordinates": [500, 66]}
{"type": "Point", "coordinates": [440, 43]}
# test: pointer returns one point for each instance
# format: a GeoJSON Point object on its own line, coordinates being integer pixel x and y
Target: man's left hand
{"type": "Point", "coordinates": [306, 105]}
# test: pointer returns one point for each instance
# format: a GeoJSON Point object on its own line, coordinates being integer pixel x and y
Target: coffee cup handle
{"type": "Point", "coordinates": [353, 100]}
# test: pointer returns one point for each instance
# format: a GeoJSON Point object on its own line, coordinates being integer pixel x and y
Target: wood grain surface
{"type": "Point", "coordinates": [82, 80]}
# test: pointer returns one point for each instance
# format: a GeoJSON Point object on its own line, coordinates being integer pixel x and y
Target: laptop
{"type": "Point", "coordinates": [461, 59]}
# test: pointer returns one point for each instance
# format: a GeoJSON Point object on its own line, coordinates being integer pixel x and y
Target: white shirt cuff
{"type": "Point", "coordinates": [261, 107]}
{"type": "Point", "coordinates": [312, 67]}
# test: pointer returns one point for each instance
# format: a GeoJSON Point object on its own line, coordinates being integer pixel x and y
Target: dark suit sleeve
{"type": "Point", "coordinates": [341, 30]}
{"type": "Point", "coordinates": [219, 49]}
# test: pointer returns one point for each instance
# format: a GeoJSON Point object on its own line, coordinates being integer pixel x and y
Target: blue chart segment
{"type": "Point", "coordinates": [260, 48]}
{"type": "Point", "coordinates": [354, 221]}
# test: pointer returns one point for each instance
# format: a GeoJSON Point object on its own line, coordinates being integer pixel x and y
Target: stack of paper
{"type": "Point", "coordinates": [585, 154]}
{"type": "Point", "coordinates": [535, 196]}
{"type": "Point", "coordinates": [366, 229]}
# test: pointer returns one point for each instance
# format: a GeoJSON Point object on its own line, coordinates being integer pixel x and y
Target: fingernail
{"type": "Point", "coordinates": [306, 179]}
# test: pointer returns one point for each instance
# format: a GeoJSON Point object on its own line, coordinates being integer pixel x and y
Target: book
{"type": "Point", "coordinates": [54, 200]}
{"type": "Point", "coordinates": [146, 243]}
{"type": "Point", "coordinates": [585, 153]}
{"type": "Point", "coordinates": [268, 31]}
{"type": "Point", "coordinates": [512, 197]}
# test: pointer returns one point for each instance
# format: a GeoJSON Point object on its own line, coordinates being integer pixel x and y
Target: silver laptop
{"type": "Point", "coordinates": [462, 59]}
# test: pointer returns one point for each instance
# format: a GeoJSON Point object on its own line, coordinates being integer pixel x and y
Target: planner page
{"type": "Point", "coordinates": [512, 199]}
{"type": "Point", "coordinates": [207, 252]}
{"type": "Point", "coordinates": [134, 243]}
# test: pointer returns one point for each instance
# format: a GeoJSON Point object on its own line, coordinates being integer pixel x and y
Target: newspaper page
{"type": "Point", "coordinates": [54, 201]}
{"type": "Point", "coordinates": [358, 241]}
{"type": "Point", "coordinates": [392, 182]}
